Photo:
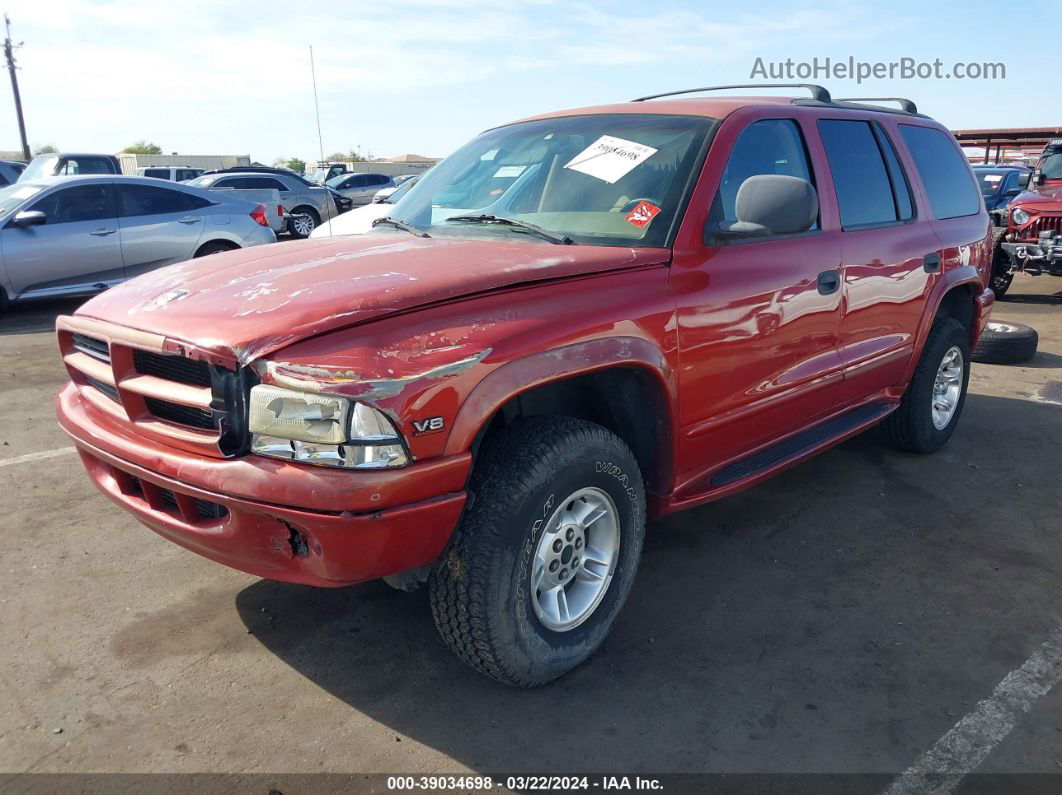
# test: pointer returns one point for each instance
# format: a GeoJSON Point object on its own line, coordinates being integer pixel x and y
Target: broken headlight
{"type": "Point", "coordinates": [327, 430]}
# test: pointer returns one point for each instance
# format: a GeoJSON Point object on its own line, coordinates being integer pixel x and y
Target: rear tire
{"type": "Point", "coordinates": [302, 222]}
{"type": "Point", "coordinates": [214, 247]}
{"type": "Point", "coordinates": [1001, 276]}
{"type": "Point", "coordinates": [1005, 343]}
{"type": "Point", "coordinates": [916, 425]}
{"type": "Point", "coordinates": [493, 594]}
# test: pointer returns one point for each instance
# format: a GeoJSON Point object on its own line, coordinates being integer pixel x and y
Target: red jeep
{"type": "Point", "coordinates": [574, 323]}
{"type": "Point", "coordinates": [1032, 242]}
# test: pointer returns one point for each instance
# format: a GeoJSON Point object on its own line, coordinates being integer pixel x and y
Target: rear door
{"type": "Point", "coordinates": [889, 253]}
{"type": "Point", "coordinates": [159, 225]}
{"type": "Point", "coordinates": [76, 250]}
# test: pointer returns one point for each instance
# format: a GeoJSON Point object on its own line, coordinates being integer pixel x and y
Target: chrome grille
{"type": "Point", "coordinates": [95, 348]}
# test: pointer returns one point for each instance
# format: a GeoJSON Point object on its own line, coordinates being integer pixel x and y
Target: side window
{"type": "Point", "coordinates": [360, 181]}
{"type": "Point", "coordinates": [870, 190]}
{"type": "Point", "coordinates": [770, 146]}
{"type": "Point", "coordinates": [136, 200]}
{"type": "Point", "coordinates": [952, 191]}
{"type": "Point", "coordinates": [901, 188]}
{"type": "Point", "coordinates": [231, 182]}
{"type": "Point", "coordinates": [80, 203]}
{"type": "Point", "coordinates": [381, 179]}
{"type": "Point", "coordinates": [158, 173]}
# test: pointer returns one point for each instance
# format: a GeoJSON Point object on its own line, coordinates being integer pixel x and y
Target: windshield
{"type": "Point", "coordinates": [40, 167]}
{"type": "Point", "coordinates": [14, 196]}
{"type": "Point", "coordinates": [603, 180]}
{"type": "Point", "coordinates": [1051, 168]}
{"type": "Point", "coordinates": [334, 181]}
{"type": "Point", "coordinates": [203, 182]}
{"type": "Point", "coordinates": [990, 180]}
{"type": "Point", "coordinates": [319, 175]}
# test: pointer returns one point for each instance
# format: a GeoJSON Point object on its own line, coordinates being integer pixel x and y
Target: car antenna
{"type": "Point", "coordinates": [317, 110]}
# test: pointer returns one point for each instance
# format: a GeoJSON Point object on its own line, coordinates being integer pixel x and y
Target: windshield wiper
{"type": "Point", "coordinates": [563, 240]}
{"type": "Point", "coordinates": [401, 225]}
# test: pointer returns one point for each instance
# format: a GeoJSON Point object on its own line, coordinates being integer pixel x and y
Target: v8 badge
{"type": "Point", "coordinates": [430, 425]}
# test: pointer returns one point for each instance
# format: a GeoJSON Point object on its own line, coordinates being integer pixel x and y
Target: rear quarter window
{"type": "Point", "coordinates": [942, 167]}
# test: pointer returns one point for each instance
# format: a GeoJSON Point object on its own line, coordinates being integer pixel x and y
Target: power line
{"type": "Point", "coordinates": [10, 56]}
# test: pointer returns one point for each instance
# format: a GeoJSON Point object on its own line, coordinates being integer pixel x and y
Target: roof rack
{"type": "Point", "coordinates": [906, 105]}
{"type": "Point", "coordinates": [818, 93]}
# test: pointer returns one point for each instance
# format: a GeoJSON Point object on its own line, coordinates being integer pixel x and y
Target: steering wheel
{"type": "Point", "coordinates": [626, 208]}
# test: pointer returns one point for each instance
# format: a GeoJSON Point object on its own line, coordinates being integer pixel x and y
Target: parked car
{"type": "Point", "coordinates": [326, 171]}
{"type": "Point", "coordinates": [307, 205]}
{"type": "Point", "coordinates": [283, 172]}
{"type": "Point", "coordinates": [10, 170]}
{"type": "Point", "coordinates": [69, 164]}
{"type": "Point", "coordinates": [1032, 243]}
{"type": "Point", "coordinates": [668, 301]}
{"type": "Point", "coordinates": [360, 188]}
{"type": "Point", "coordinates": [171, 173]}
{"type": "Point", "coordinates": [74, 236]}
{"type": "Point", "coordinates": [360, 220]}
{"type": "Point", "coordinates": [1000, 184]}
{"type": "Point", "coordinates": [275, 214]}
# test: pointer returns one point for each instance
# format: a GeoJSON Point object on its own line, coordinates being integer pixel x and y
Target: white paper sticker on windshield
{"type": "Point", "coordinates": [993, 177]}
{"type": "Point", "coordinates": [510, 171]}
{"type": "Point", "coordinates": [610, 158]}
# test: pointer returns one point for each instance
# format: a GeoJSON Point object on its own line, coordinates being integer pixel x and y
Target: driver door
{"type": "Point", "coordinates": [76, 250]}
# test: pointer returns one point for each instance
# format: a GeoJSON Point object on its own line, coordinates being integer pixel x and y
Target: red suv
{"type": "Point", "coordinates": [1032, 242]}
{"type": "Point", "coordinates": [574, 323]}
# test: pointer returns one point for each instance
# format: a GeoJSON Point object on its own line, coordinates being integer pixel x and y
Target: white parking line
{"type": "Point", "coordinates": [958, 752]}
{"type": "Point", "coordinates": [25, 459]}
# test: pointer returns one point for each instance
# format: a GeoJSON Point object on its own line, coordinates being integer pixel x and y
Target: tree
{"type": "Point", "coordinates": [143, 148]}
{"type": "Point", "coordinates": [47, 149]}
{"type": "Point", "coordinates": [295, 164]}
{"type": "Point", "coordinates": [355, 155]}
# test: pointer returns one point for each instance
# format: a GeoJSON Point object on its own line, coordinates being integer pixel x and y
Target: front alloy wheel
{"type": "Point", "coordinates": [545, 556]}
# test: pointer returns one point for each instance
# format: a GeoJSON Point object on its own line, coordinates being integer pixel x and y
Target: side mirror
{"type": "Point", "coordinates": [774, 204]}
{"type": "Point", "coordinates": [1011, 192]}
{"type": "Point", "coordinates": [29, 218]}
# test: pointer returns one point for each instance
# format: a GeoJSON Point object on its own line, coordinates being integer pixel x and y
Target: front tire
{"type": "Point", "coordinates": [1001, 274]}
{"type": "Point", "coordinates": [302, 222]}
{"type": "Point", "coordinates": [933, 402]}
{"type": "Point", "coordinates": [545, 557]}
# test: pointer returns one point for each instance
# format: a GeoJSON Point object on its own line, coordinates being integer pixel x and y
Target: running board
{"type": "Point", "coordinates": [801, 443]}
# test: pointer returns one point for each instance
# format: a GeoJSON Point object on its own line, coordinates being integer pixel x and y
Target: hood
{"type": "Point", "coordinates": [248, 303]}
{"type": "Point", "coordinates": [1043, 197]}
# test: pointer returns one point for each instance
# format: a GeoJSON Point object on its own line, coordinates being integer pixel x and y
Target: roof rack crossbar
{"type": "Point", "coordinates": [818, 93]}
{"type": "Point", "coordinates": [905, 104]}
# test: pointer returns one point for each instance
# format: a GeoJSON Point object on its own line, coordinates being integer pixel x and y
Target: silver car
{"type": "Point", "coordinates": [308, 205]}
{"type": "Point", "coordinates": [360, 188]}
{"type": "Point", "coordinates": [70, 236]}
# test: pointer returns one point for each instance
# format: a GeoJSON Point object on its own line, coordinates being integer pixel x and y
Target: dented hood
{"type": "Point", "coordinates": [249, 303]}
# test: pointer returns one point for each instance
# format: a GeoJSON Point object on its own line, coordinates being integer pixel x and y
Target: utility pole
{"type": "Point", "coordinates": [10, 56]}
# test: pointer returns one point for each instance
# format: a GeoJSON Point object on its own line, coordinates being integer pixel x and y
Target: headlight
{"type": "Point", "coordinates": [1019, 216]}
{"type": "Point", "coordinates": [328, 430]}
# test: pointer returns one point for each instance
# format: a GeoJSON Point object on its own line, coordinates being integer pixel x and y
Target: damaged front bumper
{"type": "Point", "coordinates": [270, 518]}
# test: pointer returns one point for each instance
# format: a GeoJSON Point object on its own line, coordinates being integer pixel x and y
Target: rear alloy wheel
{"type": "Point", "coordinates": [1005, 343]}
{"type": "Point", "coordinates": [545, 556]}
{"type": "Point", "coordinates": [933, 402]}
{"type": "Point", "coordinates": [214, 247]}
{"type": "Point", "coordinates": [302, 222]}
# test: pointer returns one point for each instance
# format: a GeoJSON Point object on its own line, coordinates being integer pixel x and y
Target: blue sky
{"type": "Point", "coordinates": [397, 76]}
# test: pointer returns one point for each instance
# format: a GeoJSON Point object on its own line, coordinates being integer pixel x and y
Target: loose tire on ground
{"type": "Point", "coordinates": [481, 590]}
{"type": "Point", "coordinates": [1005, 343]}
{"type": "Point", "coordinates": [214, 247]}
{"type": "Point", "coordinates": [912, 427]}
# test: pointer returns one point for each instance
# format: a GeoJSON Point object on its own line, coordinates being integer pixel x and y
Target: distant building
{"type": "Point", "coordinates": [130, 163]}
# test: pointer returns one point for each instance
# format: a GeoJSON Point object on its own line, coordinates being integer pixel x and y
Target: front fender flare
{"type": "Point", "coordinates": [520, 375]}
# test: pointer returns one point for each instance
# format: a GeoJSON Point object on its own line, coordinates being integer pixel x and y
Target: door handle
{"type": "Point", "coordinates": [829, 282]}
{"type": "Point", "coordinates": [931, 262]}
{"type": "Point", "coordinates": [188, 219]}
{"type": "Point", "coordinates": [103, 232]}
